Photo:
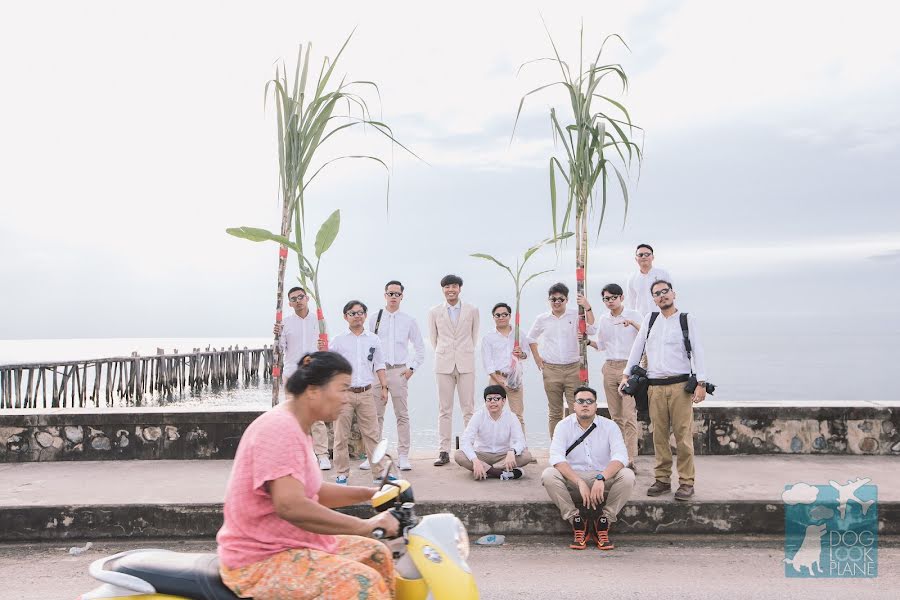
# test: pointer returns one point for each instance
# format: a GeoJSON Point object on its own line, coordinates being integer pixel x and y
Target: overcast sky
{"type": "Point", "coordinates": [132, 134]}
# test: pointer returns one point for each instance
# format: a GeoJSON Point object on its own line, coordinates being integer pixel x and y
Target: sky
{"type": "Point", "coordinates": [134, 133]}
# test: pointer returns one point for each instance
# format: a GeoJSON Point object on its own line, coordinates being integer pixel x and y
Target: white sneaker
{"type": "Point", "coordinates": [324, 463]}
{"type": "Point", "coordinates": [404, 464]}
{"type": "Point", "coordinates": [364, 465]}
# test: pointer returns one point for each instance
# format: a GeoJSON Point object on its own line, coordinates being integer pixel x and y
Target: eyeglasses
{"type": "Point", "coordinates": [494, 399]}
{"type": "Point", "coordinates": [355, 313]}
{"type": "Point", "coordinates": [558, 299]}
{"type": "Point", "coordinates": [500, 315]}
{"type": "Point", "coordinates": [662, 292]}
{"type": "Point", "coordinates": [610, 298]}
{"type": "Point", "coordinates": [297, 298]}
{"type": "Point", "coordinates": [643, 254]}
{"type": "Point", "coordinates": [584, 400]}
{"type": "Point", "coordinates": [371, 353]}
{"type": "Point", "coordinates": [393, 294]}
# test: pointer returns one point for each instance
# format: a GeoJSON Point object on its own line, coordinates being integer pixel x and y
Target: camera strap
{"type": "Point", "coordinates": [378, 320]}
{"type": "Point", "coordinates": [581, 439]}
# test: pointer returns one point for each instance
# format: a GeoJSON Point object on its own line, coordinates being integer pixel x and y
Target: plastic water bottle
{"type": "Point", "coordinates": [492, 539]}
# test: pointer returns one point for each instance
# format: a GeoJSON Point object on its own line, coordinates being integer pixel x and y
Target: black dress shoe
{"type": "Point", "coordinates": [442, 459]}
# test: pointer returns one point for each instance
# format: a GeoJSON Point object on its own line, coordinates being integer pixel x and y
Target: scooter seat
{"type": "Point", "coordinates": [191, 575]}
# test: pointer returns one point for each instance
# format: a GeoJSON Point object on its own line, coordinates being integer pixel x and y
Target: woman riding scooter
{"type": "Point", "coordinates": [281, 538]}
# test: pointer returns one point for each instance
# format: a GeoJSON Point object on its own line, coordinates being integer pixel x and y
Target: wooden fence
{"type": "Point", "coordinates": [127, 380]}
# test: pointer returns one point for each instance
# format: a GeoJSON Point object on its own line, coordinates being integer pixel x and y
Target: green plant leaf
{"type": "Point", "coordinates": [491, 258]}
{"type": "Point", "coordinates": [254, 234]}
{"type": "Point", "coordinates": [327, 232]}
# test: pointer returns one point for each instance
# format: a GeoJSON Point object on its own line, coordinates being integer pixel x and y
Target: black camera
{"type": "Point", "coordinates": [636, 381]}
{"type": "Point", "coordinates": [691, 385]}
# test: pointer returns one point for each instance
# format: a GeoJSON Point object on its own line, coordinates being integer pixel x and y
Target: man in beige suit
{"type": "Point", "coordinates": [453, 327]}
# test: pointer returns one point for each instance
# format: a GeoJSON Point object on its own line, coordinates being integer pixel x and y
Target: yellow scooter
{"type": "Point", "coordinates": [430, 557]}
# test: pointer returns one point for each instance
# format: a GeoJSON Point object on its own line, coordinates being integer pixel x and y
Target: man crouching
{"type": "Point", "coordinates": [588, 458]}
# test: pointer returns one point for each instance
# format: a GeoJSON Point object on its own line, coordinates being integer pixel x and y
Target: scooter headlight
{"type": "Point", "coordinates": [462, 540]}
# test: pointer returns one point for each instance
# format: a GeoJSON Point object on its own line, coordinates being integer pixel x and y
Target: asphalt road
{"type": "Point", "coordinates": [641, 567]}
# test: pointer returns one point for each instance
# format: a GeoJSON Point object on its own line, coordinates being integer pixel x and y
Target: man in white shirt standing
{"type": "Point", "coordinates": [453, 329]}
{"type": "Point", "coordinates": [559, 357]}
{"type": "Point", "coordinates": [299, 337]}
{"type": "Point", "coordinates": [587, 467]}
{"type": "Point", "coordinates": [493, 444]}
{"type": "Point", "coordinates": [616, 331]}
{"type": "Point", "coordinates": [397, 330]}
{"type": "Point", "coordinates": [363, 350]}
{"type": "Point", "coordinates": [638, 287]}
{"type": "Point", "coordinates": [671, 406]}
{"type": "Point", "coordinates": [497, 350]}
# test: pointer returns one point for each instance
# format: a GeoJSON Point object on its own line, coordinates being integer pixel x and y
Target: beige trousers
{"type": "Point", "coordinates": [363, 406]}
{"type": "Point", "coordinates": [491, 458]}
{"type": "Point", "coordinates": [398, 390]}
{"type": "Point", "coordinates": [621, 408]}
{"type": "Point", "coordinates": [560, 381]}
{"type": "Point", "coordinates": [515, 400]}
{"type": "Point", "coordinates": [671, 408]}
{"type": "Point", "coordinates": [320, 438]}
{"type": "Point", "coordinates": [564, 494]}
{"type": "Point", "coordinates": [464, 384]}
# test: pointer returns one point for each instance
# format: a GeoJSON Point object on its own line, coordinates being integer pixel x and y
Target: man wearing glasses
{"type": "Point", "coordinates": [668, 369]}
{"type": "Point", "coordinates": [638, 286]}
{"type": "Point", "coordinates": [497, 351]}
{"type": "Point", "coordinates": [362, 349]}
{"type": "Point", "coordinates": [299, 336]}
{"type": "Point", "coordinates": [587, 478]}
{"type": "Point", "coordinates": [493, 445]}
{"type": "Point", "coordinates": [559, 358]}
{"type": "Point", "coordinates": [397, 330]}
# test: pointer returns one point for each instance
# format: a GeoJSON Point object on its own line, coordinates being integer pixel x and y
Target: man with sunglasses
{"type": "Point", "coordinates": [671, 407]}
{"type": "Point", "coordinates": [587, 468]}
{"type": "Point", "coordinates": [638, 286]}
{"type": "Point", "coordinates": [299, 336]}
{"type": "Point", "coordinates": [493, 445]}
{"type": "Point", "coordinates": [362, 349]}
{"type": "Point", "coordinates": [397, 330]}
{"type": "Point", "coordinates": [559, 357]}
{"type": "Point", "coordinates": [497, 351]}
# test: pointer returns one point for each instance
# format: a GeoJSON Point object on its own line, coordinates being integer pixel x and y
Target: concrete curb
{"type": "Point", "coordinates": [51, 523]}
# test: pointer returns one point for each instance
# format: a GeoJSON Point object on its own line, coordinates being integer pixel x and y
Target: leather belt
{"type": "Point", "coordinates": [669, 380]}
{"type": "Point", "coordinates": [400, 366]}
{"type": "Point", "coordinates": [360, 390]}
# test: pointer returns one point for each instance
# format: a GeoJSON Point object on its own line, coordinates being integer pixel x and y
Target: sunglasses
{"type": "Point", "coordinates": [643, 254]}
{"type": "Point", "coordinates": [371, 353]}
{"type": "Point", "coordinates": [662, 292]}
{"type": "Point", "coordinates": [500, 315]}
{"type": "Point", "coordinates": [297, 298]}
{"type": "Point", "coordinates": [610, 298]}
{"type": "Point", "coordinates": [558, 299]}
{"type": "Point", "coordinates": [584, 400]}
{"type": "Point", "coordinates": [494, 399]}
{"type": "Point", "coordinates": [355, 313]}
{"type": "Point", "coordinates": [393, 294]}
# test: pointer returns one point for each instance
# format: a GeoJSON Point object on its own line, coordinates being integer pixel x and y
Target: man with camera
{"type": "Point", "coordinates": [670, 340]}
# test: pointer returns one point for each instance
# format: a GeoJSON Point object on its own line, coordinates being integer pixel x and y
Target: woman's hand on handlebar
{"type": "Point", "coordinates": [385, 521]}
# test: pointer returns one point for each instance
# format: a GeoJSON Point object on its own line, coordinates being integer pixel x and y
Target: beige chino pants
{"type": "Point", "coordinates": [361, 404]}
{"type": "Point", "coordinates": [672, 408]}
{"type": "Point", "coordinates": [464, 385]}
{"type": "Point", "coordinates": [320, 438]}
{"type": "Point", "coordinates": [398, 389]}
{"type": "Point", "coordinates": [564, 494]}
{"type": "Point", "coordinates": [494, 459]}
{"type": "Point", "coordinates": [622, 408]}
{"type": "Point", "coordinates": [560, 381]}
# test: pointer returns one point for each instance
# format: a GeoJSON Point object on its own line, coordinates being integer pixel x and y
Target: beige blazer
{"type": "Point", "coordinates": [454, 345]}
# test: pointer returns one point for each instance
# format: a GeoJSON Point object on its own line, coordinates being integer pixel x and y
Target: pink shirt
{"type": "Point", "coordinates": [273, 446]}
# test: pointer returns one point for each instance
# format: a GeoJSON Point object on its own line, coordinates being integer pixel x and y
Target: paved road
{"type": "Point", "coordinates": [534, 568]}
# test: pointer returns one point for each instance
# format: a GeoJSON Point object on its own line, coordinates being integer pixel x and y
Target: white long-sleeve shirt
{"type": "Point", "coordinates": [666, 356]}
{"type": "Point", "coordinates": [557, 337]}
{"type": "Point", "coordinates": [615, 338]}
{"type": "Point", "coordinates": [496, 350]}
{"type": "Point", "coordinates": [604, 445]}
{"type": "Point", "coordinates": [299, 336]}
{"type": "Point", "coordinates": [637, 290]}
{"type": "Point", "coordinates": [397, 331]}
{"type": "Point", "coordinates": [484, 434]}
{"type": "Point", "coordinates": [356, 349]}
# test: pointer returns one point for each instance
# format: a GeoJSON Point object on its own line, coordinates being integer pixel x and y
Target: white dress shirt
{"type": "Point", "coordinates": [615, 338]}
{"type": "Point", "coordinates": [604, 444]}
{"type": "Point", "coordinates": [484, 434]}
{"type": "Point", "coordinates": [666, 356]}
{"type": "Point", "coordinates": [356, 349]}
{"type": "Point", "coordinates": [454, 311]}
{"type": "Point", "coordinates": [497, 349]}
{"type": "Point", "coordinates": [299, 336]}
{"type": "Point", "coordinates": [637, 290]}
{"type": "Point", "coordinates": [397, 330]}
{"type": "Point", "coordinates": [558, 337]}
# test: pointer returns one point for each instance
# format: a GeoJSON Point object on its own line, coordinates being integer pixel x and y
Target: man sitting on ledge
{"type": "Point", "coordinates": [588, 458]}
{"type": "Point", "coordinates": [493, 444]}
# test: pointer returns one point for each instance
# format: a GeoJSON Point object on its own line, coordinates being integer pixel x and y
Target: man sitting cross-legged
{"type": "Point", "coordinates": [493, 444]}
{"type": "Point", "coordinates": [588, 459]}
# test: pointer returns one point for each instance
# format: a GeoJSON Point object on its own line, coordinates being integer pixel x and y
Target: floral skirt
{"type": "Point", "coordinates": [360, 568]}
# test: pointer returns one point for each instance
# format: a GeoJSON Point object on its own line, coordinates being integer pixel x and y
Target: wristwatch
{"type": "Point", "coordinates": [600, 477]}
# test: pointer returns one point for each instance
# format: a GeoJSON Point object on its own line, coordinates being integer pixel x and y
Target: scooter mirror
{"type": "Point", "coordinates": [379, 452]}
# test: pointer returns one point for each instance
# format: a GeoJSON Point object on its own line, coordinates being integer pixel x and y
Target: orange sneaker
{"type": "Point", "coordinates": [580, 532]}
{"type": "Point", "coordinates": [601, 528]}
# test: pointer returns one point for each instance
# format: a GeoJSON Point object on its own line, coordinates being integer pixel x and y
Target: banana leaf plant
{"type": "Point", "coordinates": [518, 282]}
{"type": "Point", "coordinates": [307, 118]}
{"type": "Point", "coordinates": [598, 146]}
